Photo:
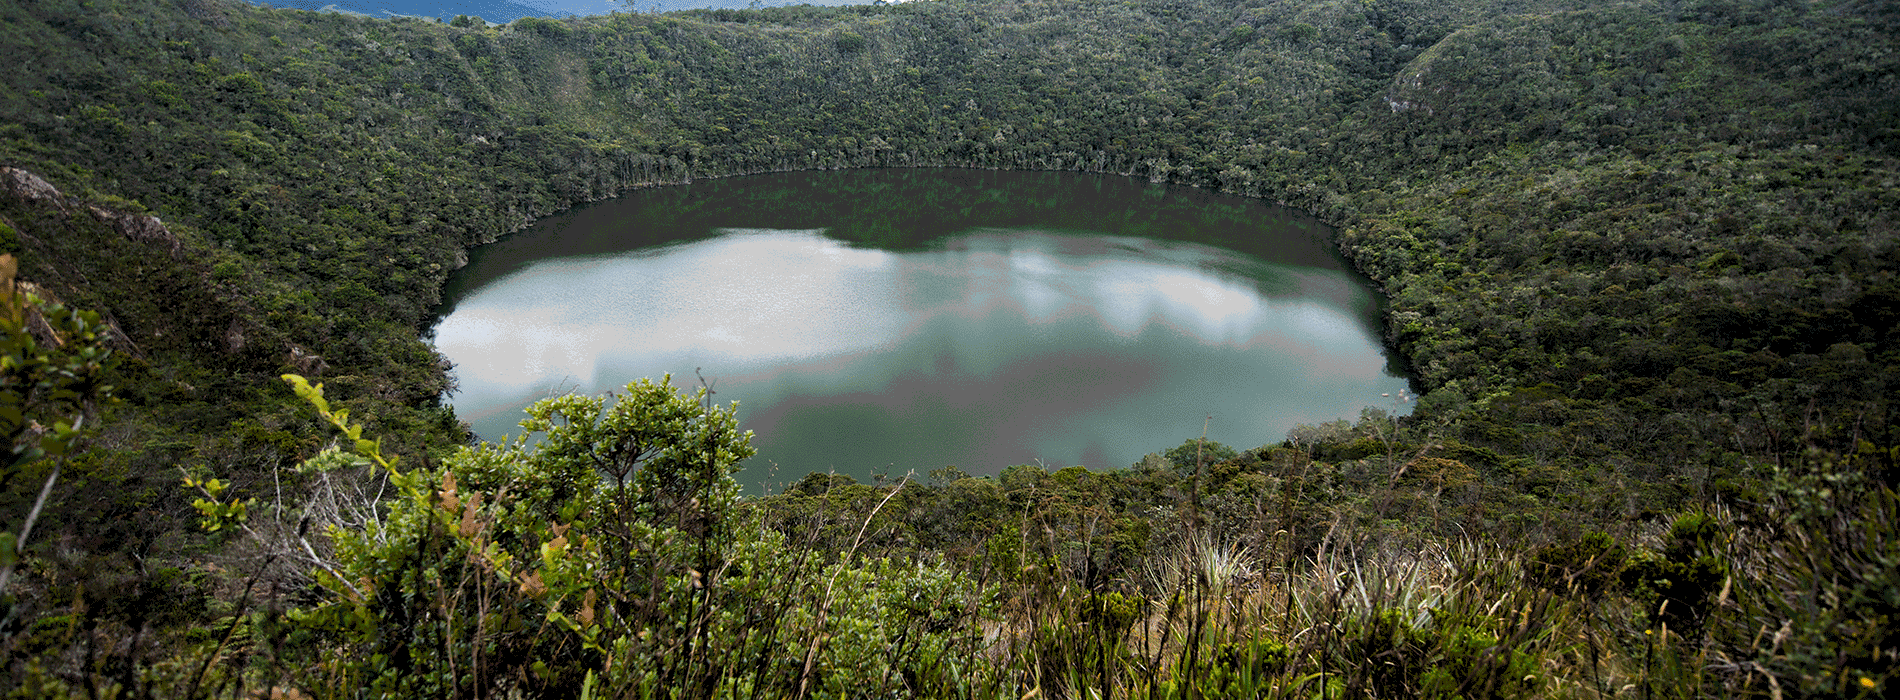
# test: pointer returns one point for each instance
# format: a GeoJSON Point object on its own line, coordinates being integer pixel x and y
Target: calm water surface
{"type": "Point", "coordinates": [888, 320]}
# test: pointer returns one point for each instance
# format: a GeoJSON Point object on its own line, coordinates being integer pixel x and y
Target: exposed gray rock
{"type": "Point", "coordinates": [143, 228]}
{"type": "Point", "coordinates": [26, 186]}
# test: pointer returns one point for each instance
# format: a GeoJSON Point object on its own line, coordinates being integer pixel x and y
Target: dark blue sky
{"type": "Point", "coordinates": [510, 10]}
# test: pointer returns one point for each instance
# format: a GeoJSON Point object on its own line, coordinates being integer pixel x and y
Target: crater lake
{"type": "Point", "coordinates": [880, 322]}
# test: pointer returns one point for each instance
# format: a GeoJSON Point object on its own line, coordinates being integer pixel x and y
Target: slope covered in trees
{"type": "Point", "coordinates": [1640, 256]}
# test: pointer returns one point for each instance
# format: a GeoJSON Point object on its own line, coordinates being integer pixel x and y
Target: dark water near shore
{"type": "Point", "coordinates": [880, 321]}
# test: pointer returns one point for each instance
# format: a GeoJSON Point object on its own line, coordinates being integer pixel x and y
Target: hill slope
{"type": "Point", "coordinates": [1638, 254]}
{"type": "Point", "coordinates": [1654, 213]}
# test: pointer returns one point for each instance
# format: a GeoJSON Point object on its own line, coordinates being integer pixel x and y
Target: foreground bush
{"type": "Point", "coordinates": [602, 552]}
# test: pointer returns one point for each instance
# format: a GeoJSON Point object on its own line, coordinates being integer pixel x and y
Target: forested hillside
{"type": "Point", "coordinates": [1640, 258]}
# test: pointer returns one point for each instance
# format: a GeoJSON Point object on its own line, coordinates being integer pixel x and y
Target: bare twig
{"type": "Point", "coordinates": [811, 654]}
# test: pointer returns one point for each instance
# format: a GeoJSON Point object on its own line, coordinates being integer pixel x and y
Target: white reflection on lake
{"type": "Point", "coordinates": [996, 348]}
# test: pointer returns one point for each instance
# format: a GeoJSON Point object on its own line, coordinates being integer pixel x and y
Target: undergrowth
{"type": "Point", "coordinates": [615, 559]}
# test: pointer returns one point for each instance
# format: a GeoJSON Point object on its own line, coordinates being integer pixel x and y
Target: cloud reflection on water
{"type": "Point", "coordinates": [993, 348]}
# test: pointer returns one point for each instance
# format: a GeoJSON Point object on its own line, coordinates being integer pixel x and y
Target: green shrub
{"type": "Point", "coordinates": [1473, 663]}
{"type": "Point", "coordinates": [1589, 565]}
{"type": "Point", "coordinates": [1678, 585]}
{"type": "Point", "coordinates": [1816, 598]}
{"type": "Point", "coordinates": [600, 553]}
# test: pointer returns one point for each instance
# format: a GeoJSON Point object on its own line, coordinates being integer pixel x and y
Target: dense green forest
{"type": "Point", "coordinates": [1640, 259]}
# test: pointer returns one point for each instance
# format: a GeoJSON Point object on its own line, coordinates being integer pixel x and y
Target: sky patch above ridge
{"type": "Point", "coordinates": [504, 11]}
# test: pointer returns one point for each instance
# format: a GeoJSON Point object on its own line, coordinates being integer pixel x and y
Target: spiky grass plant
{"type": "Point", "coordinates": [1369, 621]}
{"type": "Point", "coordinates": [1216, 569]}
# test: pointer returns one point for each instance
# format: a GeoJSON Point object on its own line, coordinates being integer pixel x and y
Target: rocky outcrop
{"type": "Point", "coordinates": [24, 186]}
{"type": "Point", "coordinates": [71, 243]}
{"type": "Point", "coordinates": [143, 228]}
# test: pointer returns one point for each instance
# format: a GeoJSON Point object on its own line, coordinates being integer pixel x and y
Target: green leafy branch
{"type": "Point", "coordinates": [60, 381]}
{"type": "Point", "coordinates": [371, 449]}
{"type": "Point", "coordinates": [215, 513]}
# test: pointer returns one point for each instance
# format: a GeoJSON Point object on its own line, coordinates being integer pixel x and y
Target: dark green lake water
{"type": "Point", "coordinates": [880, 321]}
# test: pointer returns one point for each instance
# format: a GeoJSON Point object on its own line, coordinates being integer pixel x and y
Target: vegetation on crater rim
{"type": "Point", "coordinates": [1640, 258]}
